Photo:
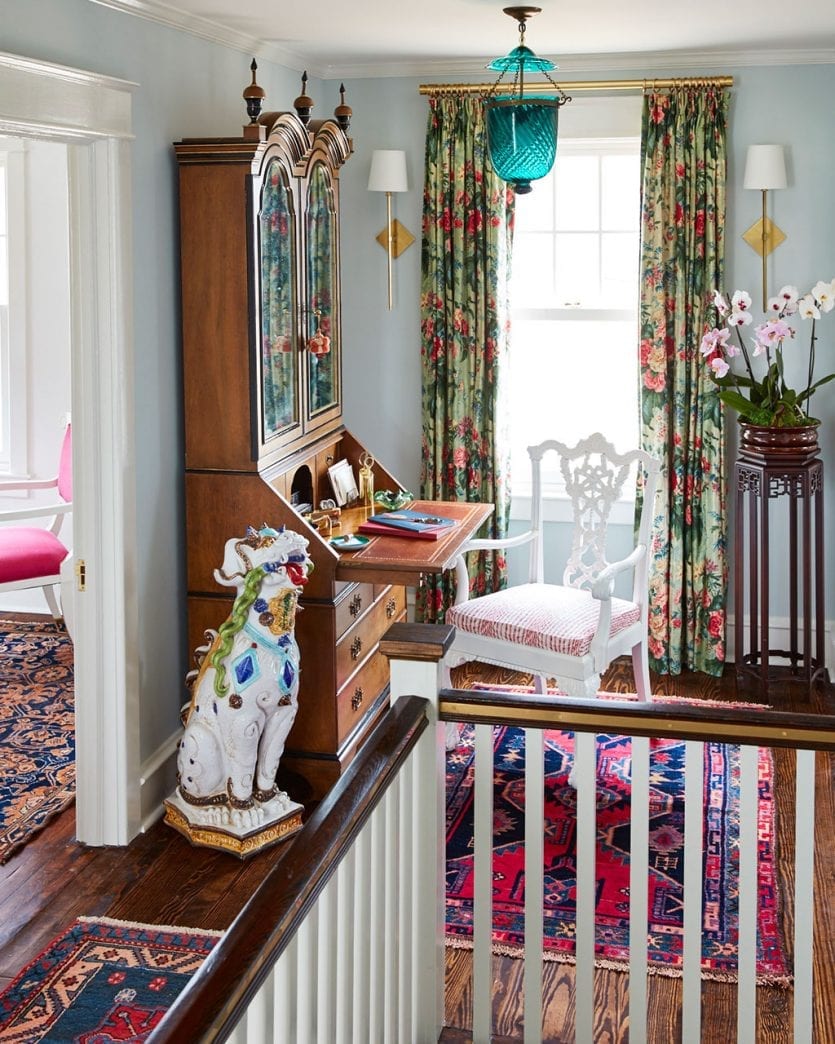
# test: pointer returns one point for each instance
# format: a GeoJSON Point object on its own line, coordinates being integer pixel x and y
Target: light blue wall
{"type": "Point", "coordinates": [188, 87]}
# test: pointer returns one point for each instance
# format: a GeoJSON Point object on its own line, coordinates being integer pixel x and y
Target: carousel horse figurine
{"type": "Point", "coordinates": [244, 698]}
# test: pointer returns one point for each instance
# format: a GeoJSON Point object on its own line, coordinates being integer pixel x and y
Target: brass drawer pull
{"type": "Point", "coordinates": [356, 605]}
{"type": "Point", "coordinates": [356, 699]}
{"type": "Point", "coordinates": [391, 607]}
{"type": "Point", "coordinates": [356, 648]}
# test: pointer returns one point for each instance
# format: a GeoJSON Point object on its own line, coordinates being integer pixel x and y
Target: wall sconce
{"type": "Point", "coordinates": [388, 174]}
{"type": "Point", "coordinates": [765, 168]}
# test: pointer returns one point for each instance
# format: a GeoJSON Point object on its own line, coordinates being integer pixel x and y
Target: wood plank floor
{"type": "Point", "coordinates": [161, 879]}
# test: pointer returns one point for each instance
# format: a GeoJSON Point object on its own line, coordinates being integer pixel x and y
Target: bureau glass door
{"type": "Point", "coordinates": [322, 325]}
{"type": "Point", "coordinates": [279, 356]}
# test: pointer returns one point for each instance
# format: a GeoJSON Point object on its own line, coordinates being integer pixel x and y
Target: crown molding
{"type": "Point", "coordinates": [644, 61]}
{"type": "Point", "coordinates": [640, 63]}
{"type": "Point", "coordinates": [214, 32]}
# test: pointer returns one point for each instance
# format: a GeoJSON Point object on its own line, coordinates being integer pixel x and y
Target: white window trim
{"type": "Point", "coordinates": [14, 386]}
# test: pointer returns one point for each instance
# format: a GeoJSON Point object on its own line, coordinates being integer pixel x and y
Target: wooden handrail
{"type": "Point", "coordinates": [755, 725]}
{"type": "Point", "coordinates": [218, 995]}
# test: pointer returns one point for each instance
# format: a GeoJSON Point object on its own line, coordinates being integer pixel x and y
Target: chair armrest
{"type": "Point", "coordinates": [604, 584]}
{"type": "Point", "coordinates": [496, 544]}
{"type": "Point", "coordinates": [7, 485]}
{"type": "Point", "coordinates": [35, 512]}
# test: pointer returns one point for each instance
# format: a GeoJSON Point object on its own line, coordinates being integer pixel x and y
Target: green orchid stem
{"type": "Point", "coordinates": [808, 394]}
{"type": "Point", "coordinates": [745, 355]}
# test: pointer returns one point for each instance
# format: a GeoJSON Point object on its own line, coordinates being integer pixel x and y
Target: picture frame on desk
{"type": "Point", "coordinates": [344, 483]}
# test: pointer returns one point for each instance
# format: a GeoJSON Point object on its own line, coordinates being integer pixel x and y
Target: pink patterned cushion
{"type": "Point", "coordinates": [27, 552]}
{"type": "Point", "coordinates": [544, 616]}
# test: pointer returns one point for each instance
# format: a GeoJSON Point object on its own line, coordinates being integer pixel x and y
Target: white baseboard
{"type": "Point", "coordinates": [779, 638]}
{"type": "Point", "coordinates": [158, 779]}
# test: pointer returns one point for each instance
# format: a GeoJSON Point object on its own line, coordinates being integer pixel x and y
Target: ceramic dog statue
{"type": "Point", "coordinates": [244, 697]}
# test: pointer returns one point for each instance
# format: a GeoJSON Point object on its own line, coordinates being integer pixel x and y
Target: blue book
{"type": "Point", "coordinates": [417, 521]}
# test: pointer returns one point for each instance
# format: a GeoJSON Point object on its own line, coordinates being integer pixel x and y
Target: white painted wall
{"type": "Point", "coordinates": [46, 322]}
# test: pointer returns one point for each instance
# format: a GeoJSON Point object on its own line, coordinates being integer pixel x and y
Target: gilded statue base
{"type": "Point", "coordinates": [277, 825]}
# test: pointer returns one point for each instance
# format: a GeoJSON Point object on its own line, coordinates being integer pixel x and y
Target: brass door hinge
{"type": "Point", "coordinates": [81, 574]}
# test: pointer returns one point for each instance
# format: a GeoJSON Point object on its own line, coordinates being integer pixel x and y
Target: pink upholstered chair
{"type": "Point", "coordinates": [569, 631]}
{"type": "Point", "coordinates": [31, 555]}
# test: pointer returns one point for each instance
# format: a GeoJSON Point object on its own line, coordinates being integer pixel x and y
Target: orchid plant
{"type": "Point", "coordinates": [765, 401]}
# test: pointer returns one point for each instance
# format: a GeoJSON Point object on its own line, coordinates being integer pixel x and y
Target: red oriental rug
{"type": "Point", "coordinates": [665, 925]}
{"type": "Point", "coordinates": [37, 729]}
{"type": "Point", "coordinates": [102, 980]}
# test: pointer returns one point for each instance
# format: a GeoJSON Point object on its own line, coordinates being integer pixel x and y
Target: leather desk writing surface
{"type": "Point", "coordinates": [399, 560]}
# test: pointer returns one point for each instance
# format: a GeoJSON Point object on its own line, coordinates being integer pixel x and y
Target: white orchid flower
{"type": "Point", "coordinates": [741, 301]}
{"type": "Point", "coordinates": [807, 307]}
{"type": "Point", "coordinates": [824, 295]}
{"type": "Point", "coordinates": [789, 296]}
{"type": "Point", "coordinates": [740, 318]}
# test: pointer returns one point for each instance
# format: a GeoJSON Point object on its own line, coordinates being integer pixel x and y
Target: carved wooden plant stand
{"type": "Point", "coordinates": [761, 476]}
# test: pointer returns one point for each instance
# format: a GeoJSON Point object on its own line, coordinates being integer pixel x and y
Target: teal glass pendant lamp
{"type": "Point", "coordinates": [521, 124]}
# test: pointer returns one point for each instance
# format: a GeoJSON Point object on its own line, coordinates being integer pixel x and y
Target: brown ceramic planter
{"type": "Point", "coordinates": [789, 445]}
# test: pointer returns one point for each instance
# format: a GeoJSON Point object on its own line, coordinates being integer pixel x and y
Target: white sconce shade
{"type": "Point", "coordinates": [388, 171]}
{"type": "Point", "coordinates": [765, 167]}
{"type": "Point", "coordinates": [388, 174]}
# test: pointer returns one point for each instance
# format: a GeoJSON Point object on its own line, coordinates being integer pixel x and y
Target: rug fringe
{"type": "Point", "coordinates": [783, 982]}
{"type": "Point", "coordinates": [216, 933]}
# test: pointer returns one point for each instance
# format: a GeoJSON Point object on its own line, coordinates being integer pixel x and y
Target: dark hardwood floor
{"type": "Point", "coordinates": [160, 878]}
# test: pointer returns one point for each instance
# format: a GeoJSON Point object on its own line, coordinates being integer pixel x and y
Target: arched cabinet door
{"type": "Point", "coordinates": [322, 326]}
{"type": "Point", "coordinates": [276, 307]}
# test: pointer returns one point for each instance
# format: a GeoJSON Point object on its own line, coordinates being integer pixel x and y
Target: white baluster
{"type": "Point", "coordinates": [407, 926]}
{"type": "Point", "coordinates": [483, 885]}
{"type": "Point", "coordinates": [804, 890]}
{"type": "Point", "coordinates": [345, 879]}
{"type": "Point", "coordinates": [747, 950]}
{"type": "Point", "coordinates": [585, 769]}
{"type": "Point", "coordinates": [362, 937]}
{"type": "Point", "coordinates": [693, 921]}
{"type": "Point", "coordinates": [326, 907]}
{"type": "Point", "coordinates": [534, 862]}
{"type": "Point", "coordinates": [638, 890]}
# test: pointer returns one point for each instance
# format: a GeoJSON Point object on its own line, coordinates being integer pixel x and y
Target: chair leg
{"type": "Point", "coordinates": [640, 667]}
{"type": "Point", "coordinates": [52, 602]}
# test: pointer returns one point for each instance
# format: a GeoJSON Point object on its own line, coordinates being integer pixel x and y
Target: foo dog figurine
{"type": "Point", "coordinates": [244, 697]}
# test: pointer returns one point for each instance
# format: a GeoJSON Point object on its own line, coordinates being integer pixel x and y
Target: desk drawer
{"type": "Point", "coordinates": [358, 694]}
{"type": "Point", "coordinates": [358, 641]}
{"type": "Point", "coordinates": [357, 601]}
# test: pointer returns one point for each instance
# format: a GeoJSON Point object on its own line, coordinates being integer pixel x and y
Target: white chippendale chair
{"type": "Point", "coordinates": [31, 554]}
{"type": "Point", "coordinates": [573, 630]}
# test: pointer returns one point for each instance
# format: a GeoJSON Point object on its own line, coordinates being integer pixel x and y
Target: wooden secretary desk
{"type": "Point", "coordinates": [260, 273]}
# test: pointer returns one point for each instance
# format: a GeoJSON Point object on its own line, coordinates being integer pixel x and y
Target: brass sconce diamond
{"type": "Point", "coordinates": [764, 244]}
{"type": "Point", "coordinates": [401, 238]}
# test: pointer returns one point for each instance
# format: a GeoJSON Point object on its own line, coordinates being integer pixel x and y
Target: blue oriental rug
{"type": "Point", "coordinates": [666, 843]}
{"type": "Point", "coordinates": [102, 980]}
{"type": "Point", "coordinates": [37, 729]}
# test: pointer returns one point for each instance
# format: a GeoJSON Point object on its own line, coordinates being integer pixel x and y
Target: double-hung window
{"type": "Point", "coordinates": [574, 296]}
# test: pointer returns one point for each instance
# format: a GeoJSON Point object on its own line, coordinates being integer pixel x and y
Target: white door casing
{"type": "Point", "coordinates": [92, 115]}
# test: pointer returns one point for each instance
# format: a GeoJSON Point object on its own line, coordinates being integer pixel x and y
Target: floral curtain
{"type": "Point", "coordinates": [467, 235]}
{"type": "Point", "coordinates": [682, 260]}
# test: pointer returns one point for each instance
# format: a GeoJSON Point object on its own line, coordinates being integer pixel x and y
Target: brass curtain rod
{"type": "Point", "coordinates": [571, 86]}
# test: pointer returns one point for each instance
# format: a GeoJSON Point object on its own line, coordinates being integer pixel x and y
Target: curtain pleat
{"type": "Point", "coordinates": [682, 261]}
{"type": "Point", "coordinates": [465, 270]}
